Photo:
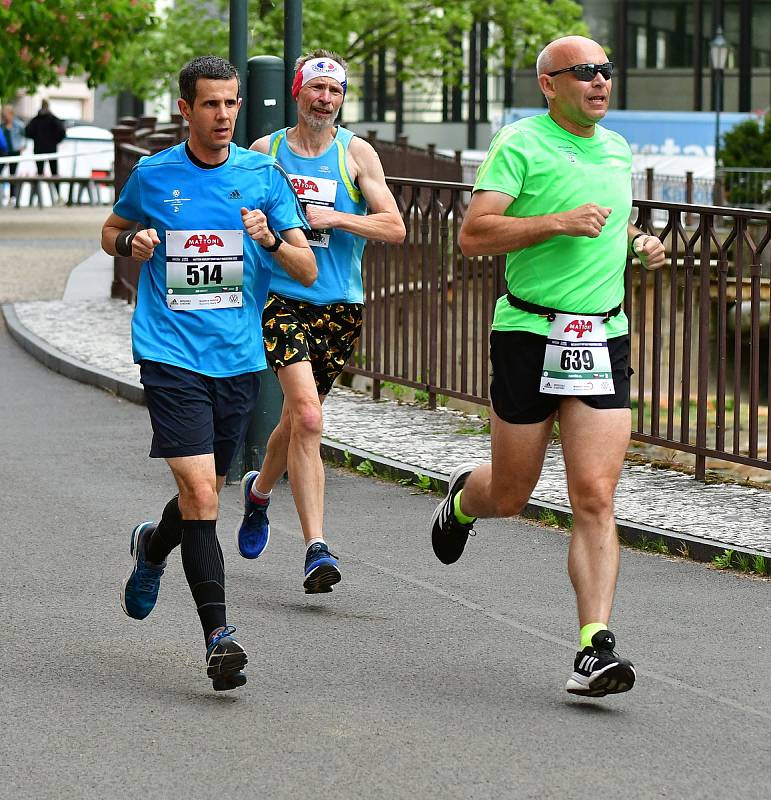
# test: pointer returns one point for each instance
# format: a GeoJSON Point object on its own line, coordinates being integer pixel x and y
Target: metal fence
{"type": "Point", "coordinates": [699, 326]}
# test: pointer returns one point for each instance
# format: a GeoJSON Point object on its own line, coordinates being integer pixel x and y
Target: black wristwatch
{"type": "Point", "coordinates": [279, 241]}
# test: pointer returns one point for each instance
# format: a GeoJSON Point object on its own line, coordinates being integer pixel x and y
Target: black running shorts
{"type": "Point", "coordinates": [296, 331]}
{"type": "Point", "coordinates": [517, 361]}
{"type": "Point", "coordinates": [194, 414]}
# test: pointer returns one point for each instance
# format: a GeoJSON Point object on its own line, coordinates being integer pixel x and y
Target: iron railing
{"type": "Point", "coordinates": [699, 326]}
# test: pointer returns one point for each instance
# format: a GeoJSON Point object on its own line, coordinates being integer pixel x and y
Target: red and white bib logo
{"type": "Point", "coordinates": [579, 327]}
{"type": "Point", "coordinates": [204, 241]}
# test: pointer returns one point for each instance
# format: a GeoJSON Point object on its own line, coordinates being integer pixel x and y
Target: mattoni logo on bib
{"type": "Point", "coordinates": [579, 327]}
{"type": "Point", "coordinates": [204, 241]}
{"type": "Point", "coordinates": [301, 185]}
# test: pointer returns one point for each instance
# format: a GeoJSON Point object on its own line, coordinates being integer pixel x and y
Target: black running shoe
{"type": "Point", "coordinates": [598, 670]}
{"type": "Point", "coordinates": [225, 661]}
{"type": "Point", "coordinates": [448, 536]}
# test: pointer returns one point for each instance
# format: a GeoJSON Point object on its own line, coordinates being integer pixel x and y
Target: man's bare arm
{"type": "Point", "coordinates": [383, 221]}
{"type": "Point", "coordinates": [486, 231]}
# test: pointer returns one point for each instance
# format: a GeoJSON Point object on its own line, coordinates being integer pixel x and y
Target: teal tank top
{"type": "Point", "coordinates": [324, 180]}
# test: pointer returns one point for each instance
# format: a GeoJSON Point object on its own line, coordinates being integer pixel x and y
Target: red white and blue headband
{"type": "Point", "coordinates": [318, 68]}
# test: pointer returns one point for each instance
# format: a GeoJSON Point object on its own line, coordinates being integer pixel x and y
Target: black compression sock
{"type": "Point", "coordinates": [167, 535]}
{"type": "Point", "coordinates": [205, 571]}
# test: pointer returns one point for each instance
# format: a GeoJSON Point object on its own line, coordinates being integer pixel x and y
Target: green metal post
{"type": "Point", "coordinates": [238, 36]}
{"type": "Point", "coordinates": [293, 42]}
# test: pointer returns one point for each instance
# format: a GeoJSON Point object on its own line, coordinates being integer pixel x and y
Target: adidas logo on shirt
{"type": "Point", "coordinates": [234, 195]}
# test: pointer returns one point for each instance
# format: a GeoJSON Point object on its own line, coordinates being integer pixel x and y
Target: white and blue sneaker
{"type": "Point", "coordinates": [321, 569]}
{"type": "Point", "coordinates": [253, 534]}
{"type": "Point", "coordinates": [139, 590]}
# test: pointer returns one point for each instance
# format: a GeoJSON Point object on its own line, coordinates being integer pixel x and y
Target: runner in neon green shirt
{"type": "Point", "coordinates": [554, 194]}
{"type": "Point", "coordinates": [549, 170]}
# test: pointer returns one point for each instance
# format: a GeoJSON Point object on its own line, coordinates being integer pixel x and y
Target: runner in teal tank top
{"type": "Point", "coordinates": [554, 194]}
{"type": "Point", "coordinates": [310, 332]}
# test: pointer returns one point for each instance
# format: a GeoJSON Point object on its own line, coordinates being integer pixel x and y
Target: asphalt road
{"type": "Point", "coordinates": [410, 680]}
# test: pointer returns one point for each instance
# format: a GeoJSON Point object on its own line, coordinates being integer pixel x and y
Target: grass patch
{"type": "Point", "coordinates": [742, 562]}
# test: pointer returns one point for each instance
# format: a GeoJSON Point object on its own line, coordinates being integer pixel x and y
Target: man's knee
{"type": "Point", "coordinates": [198, 501]}
{"type": "Point", "coordinates": [509, 505]}
{"type": "Point", "coordinates": [306, 419]}
{"type": "Point", "coordinates": [593, 499]}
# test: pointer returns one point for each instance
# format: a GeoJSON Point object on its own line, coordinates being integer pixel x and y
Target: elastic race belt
{"type": "Point", "coordinates": [550, 313]}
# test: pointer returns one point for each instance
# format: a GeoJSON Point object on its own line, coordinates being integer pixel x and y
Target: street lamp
{"type": "Point", "coordinates": [718, 56]}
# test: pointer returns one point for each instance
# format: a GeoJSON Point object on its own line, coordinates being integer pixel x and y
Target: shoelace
{"type": "Point", "coordinates": [147, 577]}
{"type": "Point", "coordinates": [226, 631]}
{"type": "Point", "coordinates": [321, 552]}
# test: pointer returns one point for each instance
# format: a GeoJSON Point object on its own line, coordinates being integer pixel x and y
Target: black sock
{"type": "Point", "coordinates": [167, 535]}
{"type": "Point", "coordinates": [205, 571]}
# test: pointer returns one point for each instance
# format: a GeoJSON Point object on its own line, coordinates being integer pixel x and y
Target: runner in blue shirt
{"type": "Point", "coordinates": [310, 332]}
{"type": "Point", "coordinates": [209, 221]}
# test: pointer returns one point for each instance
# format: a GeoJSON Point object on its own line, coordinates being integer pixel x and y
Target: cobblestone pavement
{"type": "Point", "coordinates": [83, 323]}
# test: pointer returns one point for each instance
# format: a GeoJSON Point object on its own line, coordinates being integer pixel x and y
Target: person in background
{"type": "Point", "coordinates": [13, 129]}
{"type": "Point", "coordinates": [310, 332]}
{"type": "Point", "coordinates": [46, 131]}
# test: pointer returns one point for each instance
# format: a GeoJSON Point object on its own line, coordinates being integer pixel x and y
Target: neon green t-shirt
{"type": "Point", "coordinates": [546, 170]}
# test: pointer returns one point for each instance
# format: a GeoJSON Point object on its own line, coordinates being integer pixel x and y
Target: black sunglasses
{"type": "Point", "coordinates": [586, 72]}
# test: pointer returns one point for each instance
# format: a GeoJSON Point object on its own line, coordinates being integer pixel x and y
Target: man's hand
{"type": "Point", "coordinates": [587, 220]}
{"type": "Point", "coordinates": [256, 225]}
{"type": "Point", "coordinates": [144, 243]}
{"type": "Point", "coordinates": [650, 251]}
{"type": "Point", "coordinates": [320, 217]}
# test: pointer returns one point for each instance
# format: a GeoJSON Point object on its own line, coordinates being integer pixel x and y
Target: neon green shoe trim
{"type": "Point", "coordinates": [459, 515]}
{"type": "Point", "coordinates": [588, 631]}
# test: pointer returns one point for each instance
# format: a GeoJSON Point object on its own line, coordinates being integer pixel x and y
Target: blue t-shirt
{"type": "Point", "coordinates": [168, 192]}
{"type": "Point", "coordinates": [324, 180]}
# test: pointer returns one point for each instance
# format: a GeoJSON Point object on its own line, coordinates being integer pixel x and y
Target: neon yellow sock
{"type": "Point", "coordinates": [588, 631]}
{"type": "Point", "coordinates": [459, 515]}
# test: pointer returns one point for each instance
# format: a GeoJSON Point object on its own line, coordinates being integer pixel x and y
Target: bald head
{"type": "Point", "coordinates": [569, 50]}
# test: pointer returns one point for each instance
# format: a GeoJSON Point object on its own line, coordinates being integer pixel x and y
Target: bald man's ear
{"type": "Point", "coordinates": [547, 86]}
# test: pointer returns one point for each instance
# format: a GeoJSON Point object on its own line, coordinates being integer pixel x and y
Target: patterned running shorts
{"type": "Point", "coordinates": [296, 331]}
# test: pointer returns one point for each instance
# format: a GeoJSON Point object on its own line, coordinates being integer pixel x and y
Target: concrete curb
{"type": "Point", "coordinates": [635, 534]}
{"type": "Point", "coordinates": [65, 365]}
{"type": "Point", "coordinates": [632, 533]}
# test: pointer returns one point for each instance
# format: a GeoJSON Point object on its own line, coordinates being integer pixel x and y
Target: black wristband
{"type": "Point", "coordinates": [123, 243]}
{"type": "Point", "coordinates": [633, 240]}
{"type": "Point", "coordinates": [276, 244]}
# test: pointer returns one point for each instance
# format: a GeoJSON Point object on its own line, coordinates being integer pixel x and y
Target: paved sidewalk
{"type": "Point", "coordinates": [86, 335]}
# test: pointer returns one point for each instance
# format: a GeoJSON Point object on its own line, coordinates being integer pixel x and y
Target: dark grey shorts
{"type": "Point", "coordinates": [193, 414]}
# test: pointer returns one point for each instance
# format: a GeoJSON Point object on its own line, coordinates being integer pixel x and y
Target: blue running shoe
{"type": "Point", "coordinates": [139, 590]}
{"type": "Point", "coordinates": [253, 533]}
{"type": "Point", "coordinates": [321, 572]}
{"type": "Point", "coordinates": [225, 661]}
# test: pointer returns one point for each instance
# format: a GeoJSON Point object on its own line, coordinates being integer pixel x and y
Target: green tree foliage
{"type": "Point", "coordinates": [748, 145]}
{"type": "Point", "coordinates": [45, 39]}
{"type": "Point", "coordinates": [422, 33]}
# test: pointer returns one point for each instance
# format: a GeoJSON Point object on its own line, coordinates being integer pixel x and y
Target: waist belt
{"type": "Point", "coordinates": [551, 313]}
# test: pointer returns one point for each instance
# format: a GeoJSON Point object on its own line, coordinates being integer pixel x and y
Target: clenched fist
{"type": "Point", "coordinates": [586, 220]}
{"type": "Point", "coordinates": [143, 244]}
{"type": "Point", "coordinates": [256, 225]}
